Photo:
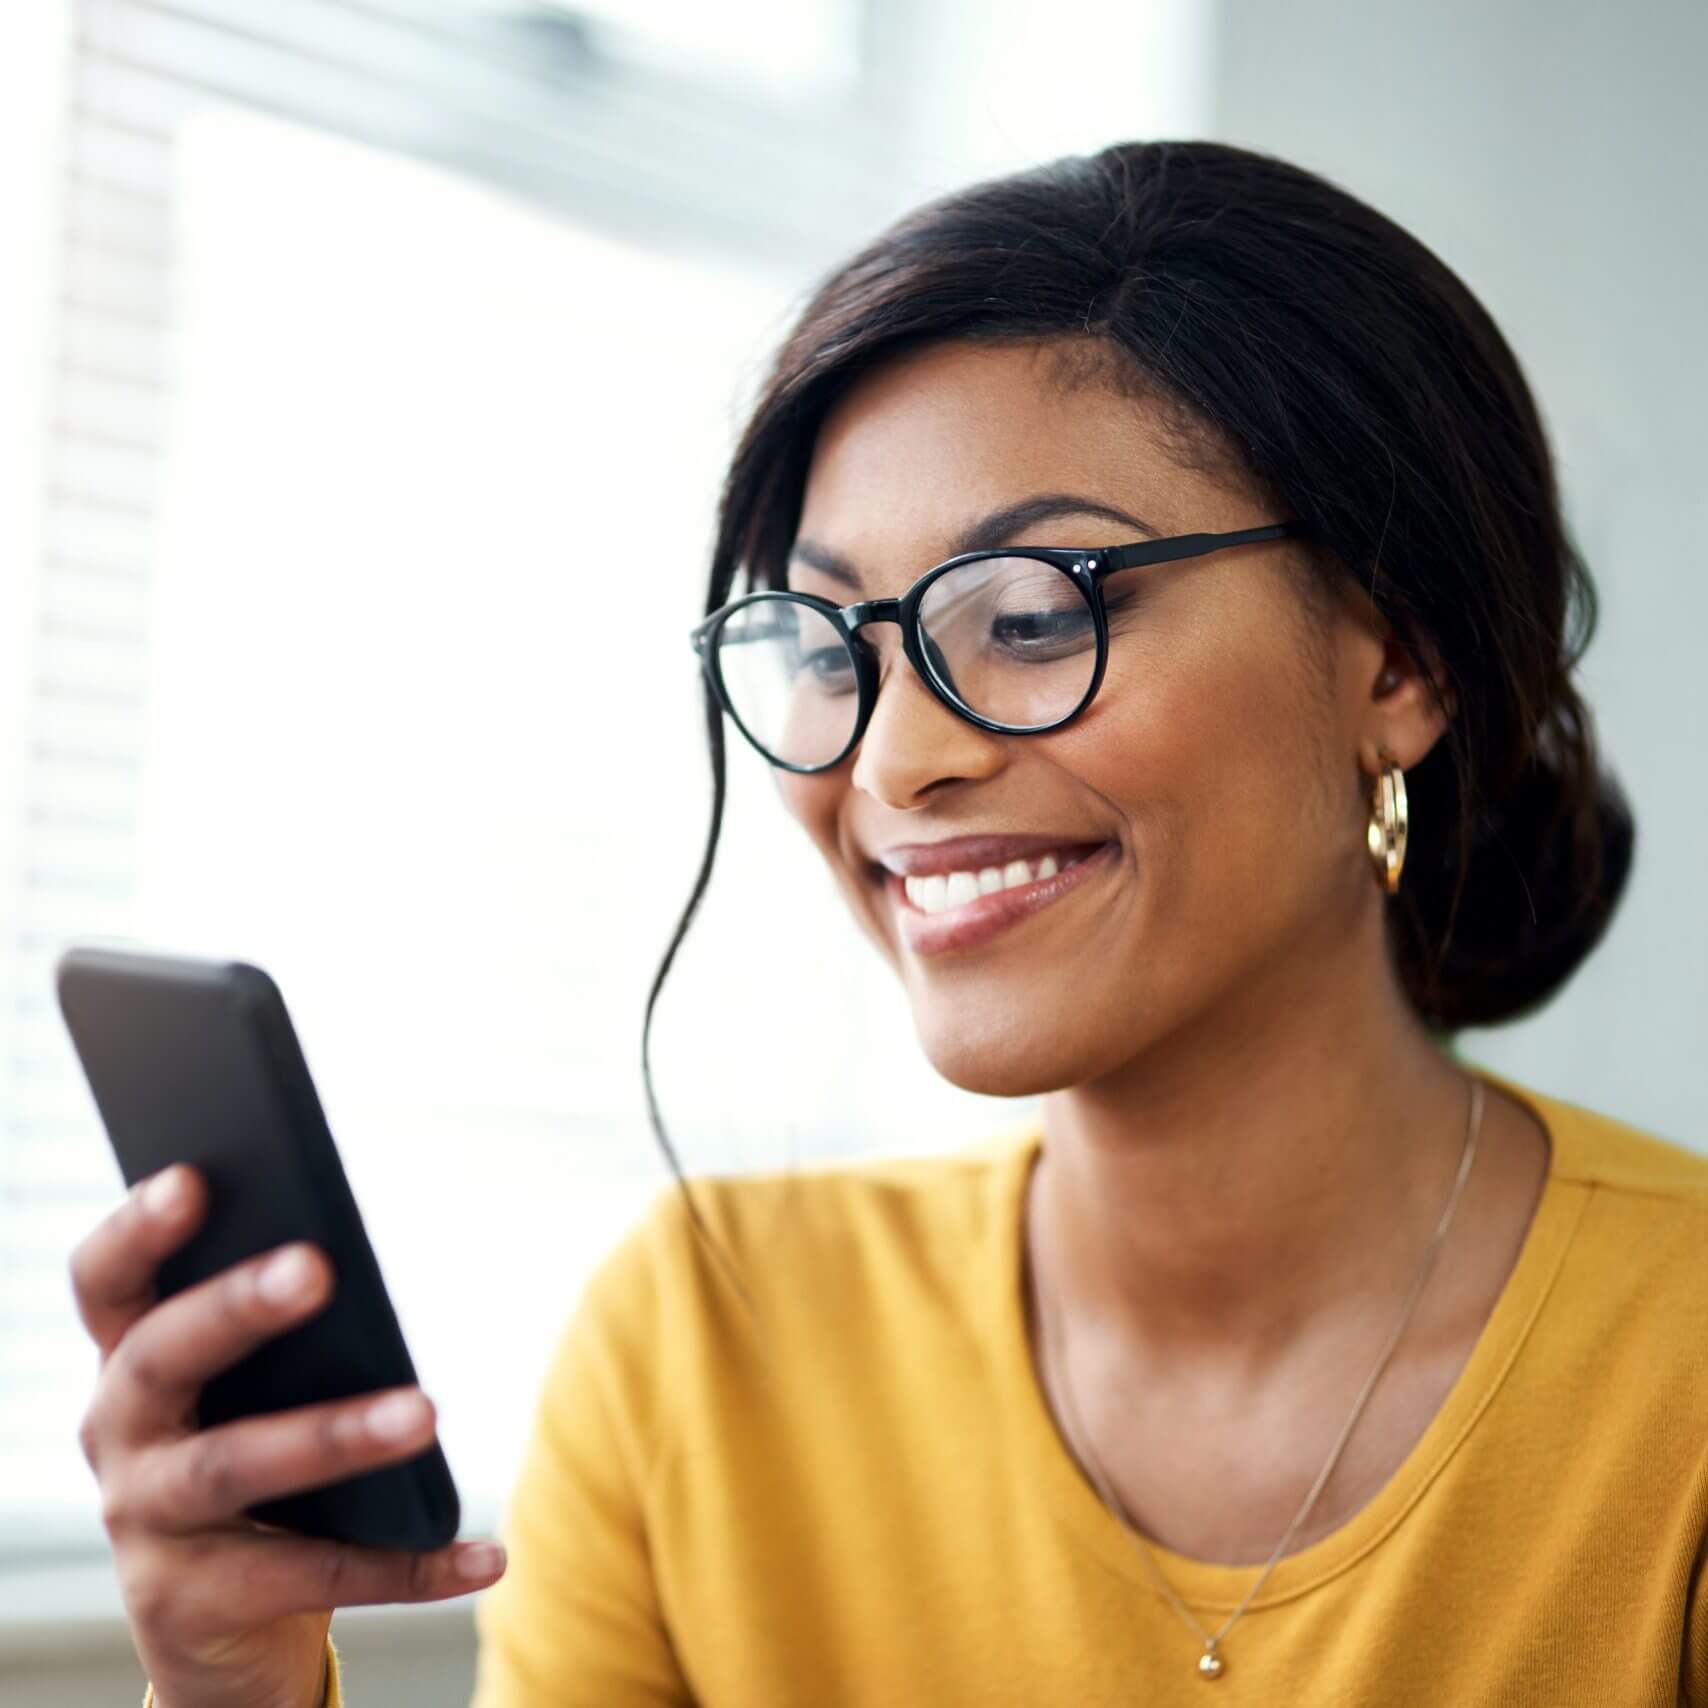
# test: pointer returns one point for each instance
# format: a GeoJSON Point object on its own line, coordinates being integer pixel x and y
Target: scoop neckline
{"type": "Point", "coordinates": [1218, 1587]}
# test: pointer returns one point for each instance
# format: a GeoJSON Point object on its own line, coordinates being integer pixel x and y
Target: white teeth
{"type": "Point", "coordinates": [962, 888]}
{"type": "Point", "coordinates": [942, 890]}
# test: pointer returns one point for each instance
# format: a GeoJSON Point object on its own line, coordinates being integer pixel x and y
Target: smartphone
{"type": "Point", "coordinates": [196, 1061]}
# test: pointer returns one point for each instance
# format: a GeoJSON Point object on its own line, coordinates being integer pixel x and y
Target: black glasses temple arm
{"type": "Point", "coordinates": [1195, 545]}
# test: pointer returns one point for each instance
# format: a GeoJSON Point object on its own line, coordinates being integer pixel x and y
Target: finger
{"type": "Point", "coordinates": [209, 1477]}
{"type": "Point", "coordinates": [264, 1574]}
{"type": "Point", "coordinates": [151, 1381]}
{"type": "Point", "coordinates": [113, 1267]}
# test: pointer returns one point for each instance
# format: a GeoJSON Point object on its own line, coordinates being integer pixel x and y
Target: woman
{"type": "Point", "coordinates": [1283, 1353]}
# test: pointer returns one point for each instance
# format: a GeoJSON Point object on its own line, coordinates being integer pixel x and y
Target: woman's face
{"type": "Point", "coordinates": [1220, 757]}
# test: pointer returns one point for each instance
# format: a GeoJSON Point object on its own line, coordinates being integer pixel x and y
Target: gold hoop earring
{"type": "Point", "coordinates": [1388, 818]}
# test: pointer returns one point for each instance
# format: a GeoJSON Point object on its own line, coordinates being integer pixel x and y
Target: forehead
{"type": "Point", "coordinates": [918, 446]}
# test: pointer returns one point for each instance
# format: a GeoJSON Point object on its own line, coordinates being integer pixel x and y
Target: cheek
{"type": "Point", "coordinates": [1214, 759]}
{"type": "Point", "coordinates": [817, 804]}
{"type": "Point", "coordinates": [814, 803]}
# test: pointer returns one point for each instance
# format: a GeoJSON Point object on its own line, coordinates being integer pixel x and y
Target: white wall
{"type": "Point", "coordinates": [990, 86]}
{"type": "Point", "coordinates": [1553, 153]}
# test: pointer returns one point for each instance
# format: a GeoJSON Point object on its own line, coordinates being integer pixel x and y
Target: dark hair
{"type": "Point", "coordinates": [1352, 378]}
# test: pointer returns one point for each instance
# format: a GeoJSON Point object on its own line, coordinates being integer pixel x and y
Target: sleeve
{"type": "Point", "coordinates": [334, 1688]}
{"type": "Point", "coordinates": [575, 1619]}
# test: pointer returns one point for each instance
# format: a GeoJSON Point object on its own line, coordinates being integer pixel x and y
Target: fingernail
{"type": "Point", "coordinates": [285, 1276]}
{"type": "Point", "coordinates": [163, 1194]}
{"type": "Point", "coordinates": [480, 1559]}
{"type": "Point", "coordinates": [397, 1414]}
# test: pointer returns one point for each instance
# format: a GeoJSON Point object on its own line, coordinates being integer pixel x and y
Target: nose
{"type": "Point", "coordinates": [912, 739]}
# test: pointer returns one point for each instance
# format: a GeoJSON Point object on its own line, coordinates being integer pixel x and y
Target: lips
{"type": "Point", "coordinates": [988, 916]}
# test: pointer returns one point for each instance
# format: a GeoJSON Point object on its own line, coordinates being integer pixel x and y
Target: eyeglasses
{"type": "Point", "coordinates": [1014, 640]}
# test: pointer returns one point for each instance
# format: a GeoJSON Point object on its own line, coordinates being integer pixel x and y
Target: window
{"type": "Point", "coordinates": [376, 346]}
{"type": "Point", "coordinates": [796, 53]}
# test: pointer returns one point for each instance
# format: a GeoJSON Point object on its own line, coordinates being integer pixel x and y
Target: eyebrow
{"type": "Point", "coordinates": [995, 528]}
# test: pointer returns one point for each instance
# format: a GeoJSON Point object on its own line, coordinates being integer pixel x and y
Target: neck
{"type": "Point", "coordinates": [1251, 1178]}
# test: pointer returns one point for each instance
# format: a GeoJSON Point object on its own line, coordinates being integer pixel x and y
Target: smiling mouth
{"type": "Point", "coordinates": [942, 892]}
{"type": "Point", "coordinates": [943, 924]}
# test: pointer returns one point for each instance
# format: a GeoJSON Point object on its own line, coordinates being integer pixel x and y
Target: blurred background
{"type": "Point", "coordinates": [367, 372]}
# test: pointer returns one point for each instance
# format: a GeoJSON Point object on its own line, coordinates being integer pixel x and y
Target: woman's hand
{"type": "Point", "coordinates": [226, 1612]}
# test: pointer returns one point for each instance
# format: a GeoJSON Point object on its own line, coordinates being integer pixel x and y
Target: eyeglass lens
{"type": "Point", "coordinates": [1013, 638]}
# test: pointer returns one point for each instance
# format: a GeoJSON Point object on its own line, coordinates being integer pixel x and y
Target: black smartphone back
{"type": "Point", "coordinates": [196, 1061]}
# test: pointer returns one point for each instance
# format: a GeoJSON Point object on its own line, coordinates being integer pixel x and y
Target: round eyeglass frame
{"type": "Point", "coordinates": [1086, 567]}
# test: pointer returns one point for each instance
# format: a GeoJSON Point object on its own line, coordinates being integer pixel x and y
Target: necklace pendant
{"type": "Point", "coordinates": [1209, 1663]}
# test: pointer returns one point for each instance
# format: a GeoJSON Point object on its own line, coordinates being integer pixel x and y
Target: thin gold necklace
{"type": "Point", "coordinates": [1210, 1663]}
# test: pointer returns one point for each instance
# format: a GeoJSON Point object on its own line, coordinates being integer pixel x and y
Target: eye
{"type": "Point", "coordinates": [1033, 633]}
{"type": "Point", "coordinates": [827, 663]}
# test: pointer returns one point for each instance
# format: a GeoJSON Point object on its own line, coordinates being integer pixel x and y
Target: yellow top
{"type": "Point", "coordinates": [862, 1497]}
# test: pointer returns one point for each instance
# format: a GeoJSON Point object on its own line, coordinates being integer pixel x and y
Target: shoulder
{"type": "Point", "coordinates": [801, 1283]}
{"type": "Point", "coordinates": [1617, 1157]}
{"type": "Point", "coordinates": [821, 1220]}
{"type": "Point", "coordinates": [1635, 1254]}
{"type": "Point", "coordinates": [711, 1250]}
{"type": "Point", "coordinates": [1643, 1198]}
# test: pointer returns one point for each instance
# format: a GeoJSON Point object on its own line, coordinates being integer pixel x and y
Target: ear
{"type": "Point", "coordinates": [1393, 711]}
{"type": "Point", "coordinates": [1401, 717]}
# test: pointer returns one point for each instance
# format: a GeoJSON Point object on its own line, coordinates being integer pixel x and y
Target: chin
{"type": "Point", "coordinates": [998, 1078]}
{"type": "Point", "coordinates": [1015, 1060]}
